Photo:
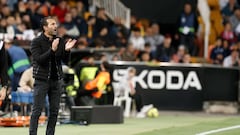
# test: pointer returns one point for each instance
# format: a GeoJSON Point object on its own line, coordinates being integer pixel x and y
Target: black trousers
{"type": "Point", "coordinates": [138, 99]}
{"type": "Point", "coordinates": [41, 88]}
{"type": "Point", "coordinates": [188, 41]}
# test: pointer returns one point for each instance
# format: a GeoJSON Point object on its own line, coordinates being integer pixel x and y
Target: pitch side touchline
{"type": "Point", "coordinates": [218, 130]}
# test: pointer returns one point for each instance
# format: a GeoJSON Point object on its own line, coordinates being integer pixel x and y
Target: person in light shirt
{"type": "Point", "coordinates": [137, 40]}
{"type": "Point", "coordinates": [232, 60]}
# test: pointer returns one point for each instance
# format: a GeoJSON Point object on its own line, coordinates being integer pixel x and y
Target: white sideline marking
{"type": "Point", "coordinates": [218, 130]}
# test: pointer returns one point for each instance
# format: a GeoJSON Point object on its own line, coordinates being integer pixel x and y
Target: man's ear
{"type": "Point", "coordinates": [44, 27]}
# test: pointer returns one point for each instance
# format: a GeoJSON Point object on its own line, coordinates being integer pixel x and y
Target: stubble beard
{"type": "Point", "coordinates": [53, 33]}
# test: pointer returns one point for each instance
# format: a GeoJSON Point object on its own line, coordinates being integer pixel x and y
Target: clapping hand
{"type": "Point", "coordinates": [70, 43]}
{"type": "Point", "coordinates": [55, 44]}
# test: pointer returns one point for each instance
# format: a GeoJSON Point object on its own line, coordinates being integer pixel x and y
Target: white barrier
{"type": "Point", "coordinates": [205, 13]}
{"type": "Point", "coordinates": [114, 9]}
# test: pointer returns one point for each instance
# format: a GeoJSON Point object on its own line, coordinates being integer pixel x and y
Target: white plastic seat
{"type": "Point", "coordinates": [121, 95]}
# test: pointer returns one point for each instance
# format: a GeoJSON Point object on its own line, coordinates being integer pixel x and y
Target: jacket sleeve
{"type": "Point", "coordinates": [3, 68]}
{"type": "Point", "coordinates": [37, 54]}
{"type": "Point", "coordinates": [65, 54]}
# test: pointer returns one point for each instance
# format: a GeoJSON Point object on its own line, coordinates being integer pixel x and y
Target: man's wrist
{"type": "Point", "coordinates": [54, 49]}
{"type": "Point", "coordinates": [67, 49]}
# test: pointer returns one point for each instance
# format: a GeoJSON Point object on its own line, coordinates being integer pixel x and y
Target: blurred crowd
{"type": "Point", "coordinates": [143, 41]}
{"type": "Point", "coordinates": [224, 41]}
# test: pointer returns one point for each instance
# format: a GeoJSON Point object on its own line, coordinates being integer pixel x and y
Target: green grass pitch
{"type": "Point", "coordinates": [168, 123]}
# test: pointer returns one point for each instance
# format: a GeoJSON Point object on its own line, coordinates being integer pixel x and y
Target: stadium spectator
{"type": "Point", "coordinates": [217, 53]}
{"type": "Point", "coordinates": [80, 45]}
{"type": "Point", "coordinates": [79, 21]}
{"type": "Point", "coordinates": [136, 39]}
{"type": "Point", "coordinates": [25, 18]}
{"type": "Point", "coordinates": [60, 10]}
{"type": "Point", "coordinates": [148, 34]}
{"type": "Point", "coordinates": [97, 43]}
{"type": "Point", "coordinates": [102, 20]}
{"type": "Point", "coordinates": [235, 20]}
{"type": "Point", "coordinates": [165, 50]}
{"type": "Point", "coordinates": [62, 31]}
{"type": "Point", "coordinates": [21, 7]}
{"type": "Point", "coordinates": [145, 57]}
{"type": "Point", "coordinates": [136, 23]}
{"type": "Point", "coordinates": [223, 3]}
{"type": "Point", "coordinates": [25, 28]}
{"type": "Point", "coordinates": [81, 9]}
{"type": "Point", "coordinates": [105, 37]}
{"type": "Point", "coordinates": [3, 25]}
{"type": "Point", "coordinates": [11, 25]}
{"type": "Point", "coordinates": [36, 13]}
{"type": "Point", "coordinates": [154, 37]}
{"type": "Point", "coordinates": [174, 59]}
{"type": "Point", "coordinates": [133, 21]}
{"type": "Point", "coordinates": [82, 42]}
{"type": "Point", "coordinates": [181, 53]}
{"type": "Point", "coordinates": [10, 3]}
{"type": "Point", "coordinates": [119, 33]}
{"type": "Point", "coordinates": [147, 50]}
{"type": "Point", "coordinates": [26, 34]}
{"type": "Point", "coordinates": [188, 25]}
{"type": "Point", "coordinates": [228, 9]}
{"type": "Point", "coordinates": [120, 40]}
{"type": "Point", "coordinates": [71, 26]}
{"type": "Point", "coordinates": [226, 48]}
{"type": "Point", "coordinates": [44, 7]}
{"type": "Point", "coordinates": [116, 57]}
{"type": "Point", "coordinates": [91, 29]}
{"type": "Point", "coordinates": [129, 53]}
{"type": "Point", "coordinates": [5, 11]}
{"type": "Point", "coordinates": [232, 60]}
{"type": "Point", "coordinates": [187, 58]}
{"type": "Point", "coordinates": [228, 34]}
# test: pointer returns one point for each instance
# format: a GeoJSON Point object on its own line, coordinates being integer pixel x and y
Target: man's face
{"type": "Point", "coordinates": [68, 17]}
{"type": "Point", "coordinates": [137, 34]}
{"type": "Point", "coordinates": [237, 13]}
{"type": "Point", "coordinates": [131, 74]}
{"type": "Point", "coordinates": [145, 57]}
{"type": "Point", "coordinates": [155, 29]}
{"type": "Point", "coordinates": [74, 12]}
{"type": "Point", "coordinates": [51, 28]}
{"type": "Point", "coordinates": [219, 42]}
{"type": "Point", "coordinates": [235, 54]}
{"type": "Point", "coordinates": [167, 42]}
{"type": "Point", "coordinates": [187, 8]}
